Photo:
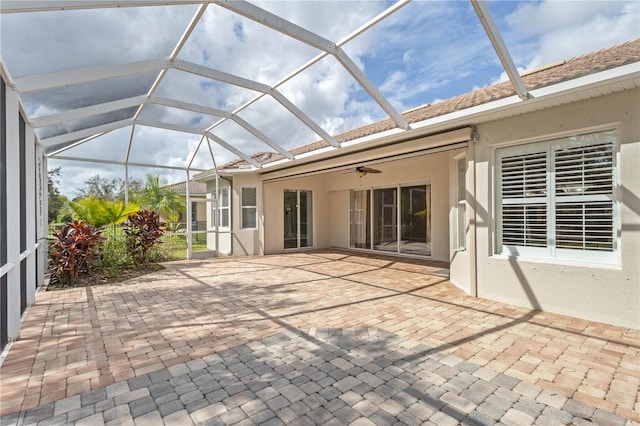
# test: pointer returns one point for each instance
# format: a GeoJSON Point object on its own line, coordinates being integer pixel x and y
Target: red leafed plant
{"type": "Point", "coordinates": [72, 250]}
{"type": "Point", "coordinates": [143, 232]}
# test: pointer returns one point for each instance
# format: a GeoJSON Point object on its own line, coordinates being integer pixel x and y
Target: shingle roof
{"type": "Point", "coordinates": [195, 188]}
{"type": "Point", "coordinates": [580, 66]}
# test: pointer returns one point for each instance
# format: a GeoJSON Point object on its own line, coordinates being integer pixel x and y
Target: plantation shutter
{"type": "Point", "coordinates": [523, 188]}
{"type": "Point", "coordinates": [584, 197]}
{"type": "Point", "coordinates": [556, 198]}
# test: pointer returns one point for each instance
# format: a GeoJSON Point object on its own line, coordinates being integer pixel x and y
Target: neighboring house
{"type": "Point", "coordinates": [198, 199]}
{"type": "Point", "coordinates": [533, 202]}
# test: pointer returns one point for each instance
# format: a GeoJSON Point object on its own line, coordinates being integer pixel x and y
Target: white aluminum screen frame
{"type": "Point", "coordinates": [161, 65]}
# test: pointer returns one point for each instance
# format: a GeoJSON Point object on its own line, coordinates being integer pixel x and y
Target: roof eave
{"type": "Point", "coordinates": [608, 81]}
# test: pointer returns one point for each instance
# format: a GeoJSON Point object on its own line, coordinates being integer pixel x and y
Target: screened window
{"type": "Point", "coordinates": [223, 207]}
{"type": "Point", "coordinates": [249, 208]}
{"type": "Point", "coordinates": [555, 198]}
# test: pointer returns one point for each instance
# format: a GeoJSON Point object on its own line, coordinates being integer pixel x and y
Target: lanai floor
{"type": "Point", "coordinates": [320, 337]}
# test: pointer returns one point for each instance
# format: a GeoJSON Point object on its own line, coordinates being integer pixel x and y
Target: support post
{"type": "Point", "coordinates": [30, 216]}
{"type": "Point", "coordinates": [188, 219]}
{"type": "Point", "coordinates": [14, 221]}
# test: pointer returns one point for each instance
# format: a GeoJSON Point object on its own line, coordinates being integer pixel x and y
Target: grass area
{"type": "Point", "coordinates": [175, 246]}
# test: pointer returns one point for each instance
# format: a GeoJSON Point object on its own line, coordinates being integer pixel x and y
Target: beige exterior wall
{"type": "Point", "coordinates": [601, 292]}
{"type": "Point", "coordinates": [608, 293]}
{"type": "Point", "coordinates": [331, 200]}
{"type": "Point", "coordinates": [430, 169]}
{"type": "Point", "coordinates": [201, 206]}
{"type": "Point", "coordinates": [460, 257]}
{"type": "Point", "coordinates": [274, 211]}
{"type": "Point", "coordinates": [339, 231]}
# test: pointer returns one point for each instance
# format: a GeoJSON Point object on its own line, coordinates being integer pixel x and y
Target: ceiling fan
{"type": "Point", "coordinates": [363, 170]}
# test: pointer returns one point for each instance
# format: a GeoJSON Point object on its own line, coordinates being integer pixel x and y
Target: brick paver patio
{"type": "Point", "coordinates": [315, 337]}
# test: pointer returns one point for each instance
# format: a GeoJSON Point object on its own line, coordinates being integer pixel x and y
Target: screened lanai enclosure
{"type": "Point", "coordinates": [127, 88]}
{"type": "Point", "coordinates": [132, 87]}
{"type": "Point", "coordinates": [216, 91]}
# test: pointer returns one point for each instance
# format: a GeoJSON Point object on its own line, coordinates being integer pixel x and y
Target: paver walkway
{"type": "Point", "coordinates": [316, 337]}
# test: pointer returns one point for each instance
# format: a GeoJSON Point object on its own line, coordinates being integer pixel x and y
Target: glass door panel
{"type": "Point", "coordinates": [414, 216]}
{"type": "Point", "coordinates": [290, 219]}
{"type": "Point", "coordinates": [360, 222]}
{"type": "Point", "coordinates": [306, 219]}
{"type": "Point", "coordinates": [396, 220]}
{"type": "Point", "coordinates": [385, 219]}
{"type": "Point", "coordinates": [298, 219]}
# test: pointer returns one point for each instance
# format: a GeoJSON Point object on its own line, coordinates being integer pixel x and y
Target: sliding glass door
{"type": "Point", "coordinates": [415, 220]}
{"type": "Point", "coordinates": [298, 219]}
{"type": "Point", "coordinates": [395, 219]}
{"type": "Point", "coordinates": [385, 218]}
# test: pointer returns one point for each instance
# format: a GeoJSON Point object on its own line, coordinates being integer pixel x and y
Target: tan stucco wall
{"type": "Point", "coordinates": [427, 169]}
{"type": "Point", "coordinates": [339, 201]}
{"type": "Point", "coordinates": [607, 293]}
{"type": "Point", "coordinates": [201, 212]}
{"type": "Point", "coordinates": [459, 258]}
{"type": "Point", "coordinates": [274, 208]}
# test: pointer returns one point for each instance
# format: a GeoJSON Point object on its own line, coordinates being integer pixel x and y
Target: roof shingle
{"type": "Point", "coordinates": [195, 188]}
{"type": "Point", "coordinates": [580, 66]}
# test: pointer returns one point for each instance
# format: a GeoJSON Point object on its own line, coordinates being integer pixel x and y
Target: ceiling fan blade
{"type": "Point", "coordinates": [365, 169]}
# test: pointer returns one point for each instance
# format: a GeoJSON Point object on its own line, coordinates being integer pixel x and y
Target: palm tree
{"type": "Point", "coordinates": [162, 200]}
{"type": "Point", "coordinates": [101, 213]}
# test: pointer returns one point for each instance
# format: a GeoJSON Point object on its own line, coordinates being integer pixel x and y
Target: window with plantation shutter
{"type": "Point", "coordinates": [584, 202]}
{"type": "Point", "coordinates": [523, 188]}
{"type": "Point", "coordinates": [555, 198]}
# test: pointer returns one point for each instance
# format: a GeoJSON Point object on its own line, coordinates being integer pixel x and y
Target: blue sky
{"type": "Point", "coordinates": [424, 52]}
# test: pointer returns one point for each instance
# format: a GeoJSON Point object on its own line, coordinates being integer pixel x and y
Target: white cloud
{"type": "Point", "coordinates": [46, 42]}
{"type": "Point", "coordinates": [426, 50]}
{"type": "Point", "coordinates": [406, 58]}
{"type": "Point", "coordinates": [394, 80]}
{"type": "Point", "coordinates": [549, 31]}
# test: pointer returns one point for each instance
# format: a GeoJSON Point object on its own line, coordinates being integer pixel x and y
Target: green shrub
{"type": "Point", "coordinates": [114, 254]}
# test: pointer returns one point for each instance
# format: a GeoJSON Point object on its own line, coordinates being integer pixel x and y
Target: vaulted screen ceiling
{"type": "Point", "coordinates": [189, 84]}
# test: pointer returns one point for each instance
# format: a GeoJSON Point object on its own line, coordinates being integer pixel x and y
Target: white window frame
{"type": "Point", "coordinates": [551, 201]}
{"type": "Point", "coordinates": [224, 208]}
{"type": "Point", "coordinates": [244, 207]}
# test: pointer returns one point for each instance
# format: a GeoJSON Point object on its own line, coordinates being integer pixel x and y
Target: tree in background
{"type": "Point", "coordinates": [154, 197]}
{"type": "Point", "coordinates": [56, 202]}
{"type": "Point", "coordinates": [108, 190]}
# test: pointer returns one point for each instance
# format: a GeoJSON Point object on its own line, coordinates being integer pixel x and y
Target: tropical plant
{"type": "Point", "coordinates": [100, 212]}
{"type": "Point", "coordinates": [162, 200]}
{"type": "Point", "coordinates": [114, 255]}
{"type": "Point", "coordinates": [143, 231]}
{"type": "Point", "coordinates": [72, 250]}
